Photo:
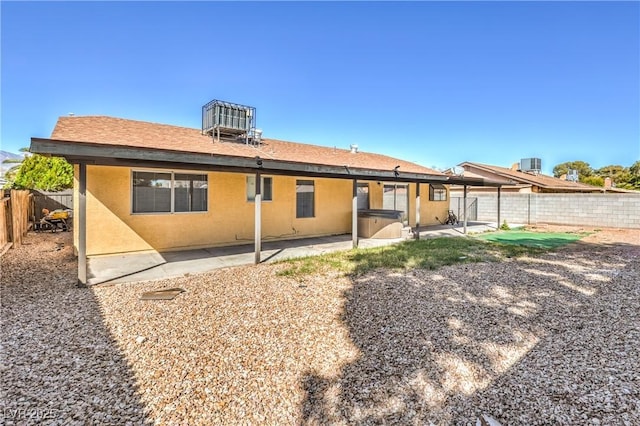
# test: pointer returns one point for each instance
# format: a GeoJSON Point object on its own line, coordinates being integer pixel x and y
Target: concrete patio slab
{"type": "Point", "coordinates": [153, 266]}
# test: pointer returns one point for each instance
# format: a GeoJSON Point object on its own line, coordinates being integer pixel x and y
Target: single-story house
{"type": "Point", "coordinates": [142, 186]}
{"type": "Point", "coordinates": [523, 181]}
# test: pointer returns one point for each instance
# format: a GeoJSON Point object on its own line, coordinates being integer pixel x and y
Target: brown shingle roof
{"type": "Point", "coordinates": [543, 181]}
{"type": "Point", "coordinates": [141, 134]}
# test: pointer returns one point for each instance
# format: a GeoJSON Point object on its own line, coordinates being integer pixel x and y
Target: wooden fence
{"type": "Point", "coordinates": [5, 224]}
{"type": "Point", "coordinates": [16, 211]}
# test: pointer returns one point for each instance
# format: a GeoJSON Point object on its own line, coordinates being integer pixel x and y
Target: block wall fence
{"type": "Point", "coordinates": [606, 210]}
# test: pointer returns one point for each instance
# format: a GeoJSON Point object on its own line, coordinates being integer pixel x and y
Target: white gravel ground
{"type": "Point", "coordinates": [550, 340]}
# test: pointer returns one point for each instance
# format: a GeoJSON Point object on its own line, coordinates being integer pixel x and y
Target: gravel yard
{"type": "Point", "coordinates": [546, 340]}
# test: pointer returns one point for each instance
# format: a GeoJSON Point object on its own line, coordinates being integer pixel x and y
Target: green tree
{"type": "Point", "coordinates": [612, 171]}
{"type": "Point", "coordinates": [593, 180]}
{"type": "Point", "coordinates": [619, 175]}
{"type": "Point", "coordinates": [583, 168]}
{"type": "Point", "coordinates": [632, 177]}
{"type": "Point", "coordinates": [43, 173]}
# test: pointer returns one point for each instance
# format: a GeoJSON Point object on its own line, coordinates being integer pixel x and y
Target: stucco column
{"type": "Point", "coordinates": [258, 218]}
{"type": "Point", "coordinates": [82, 225]}
{"type": "Point", "coordinates": [464, 211]}
{"type": "Point", "coordinates": [354, 215]}
{"type": "Point", "coordinates": [417, 210]}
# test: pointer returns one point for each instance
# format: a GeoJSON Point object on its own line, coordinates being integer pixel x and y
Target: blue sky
{"type": "Point", "coordinates": [435, 83]}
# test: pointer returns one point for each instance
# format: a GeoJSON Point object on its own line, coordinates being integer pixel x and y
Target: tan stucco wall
{"type": "Point", "coordinates": [429, 209]}
{"type": "Point", "coordinates": [112, 228]}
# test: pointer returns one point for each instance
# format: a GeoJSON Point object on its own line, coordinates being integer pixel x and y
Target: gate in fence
{"type": "Point", "coordinates": [457, 205]}
{"type": "Point", "coordinates": [51, 201]}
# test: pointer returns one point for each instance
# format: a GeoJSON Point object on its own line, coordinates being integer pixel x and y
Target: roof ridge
{"type": "Point", "coordinates": [536, 179]}
{"type": "Point", "coordinates": [110, 117]}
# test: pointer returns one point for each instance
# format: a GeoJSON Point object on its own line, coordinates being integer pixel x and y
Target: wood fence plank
{"type": "Point", "coordinates": [8, 219]}
{"type": "Point", "coordinates": [4, 249]}
{"type": "Point", "coordinates": [20, 204]}
{"type": "Point", "coordinates": [4, 229]}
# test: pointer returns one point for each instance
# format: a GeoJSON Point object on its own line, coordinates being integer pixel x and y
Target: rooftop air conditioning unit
{"type": "Point", "coordinates": [227, 119]}
{"type": "Point", "coordinates": [533, 165]}
{"type": "Point", "coordinates": [572, 175]}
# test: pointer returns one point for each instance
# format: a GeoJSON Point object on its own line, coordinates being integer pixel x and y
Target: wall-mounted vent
{"type": "Point", "coordinates": [572, 175]}
{"type": "Point", "coordinates": [228, 120]}
{"type": "Point", "coordinates": [532, 165]}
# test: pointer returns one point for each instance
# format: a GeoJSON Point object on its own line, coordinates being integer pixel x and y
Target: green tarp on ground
{"type": "Point", "coordinates": [533, 239]}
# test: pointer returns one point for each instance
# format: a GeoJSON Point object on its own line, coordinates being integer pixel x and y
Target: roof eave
{"type": "Point", "coordinates": [524, 179]}
{"type": "Point", "coordinates": [118, 155]}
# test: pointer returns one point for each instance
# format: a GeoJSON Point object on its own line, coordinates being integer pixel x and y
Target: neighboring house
{"type": "Point", "coordinates": [143, 186]}
{"type": "Point", "coordinates": [523, 181]}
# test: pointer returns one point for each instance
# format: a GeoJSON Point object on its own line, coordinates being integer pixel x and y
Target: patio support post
{"type": "Point", "coordinates": [465, 209]}
{"type": "Point", "coordinates": [354, 215]}
{"type": "Point", "coordinates": [82, 225]}
{"type": "Point", "coordinates": [499, 190]}
{"type": "Point", "coordinates": [417, 210]}
{"type": "Point", "coordinates": [258, 218]}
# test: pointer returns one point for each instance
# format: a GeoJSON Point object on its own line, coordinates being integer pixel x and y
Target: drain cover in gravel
{"type": "Point", "coordinates": [166, 294]}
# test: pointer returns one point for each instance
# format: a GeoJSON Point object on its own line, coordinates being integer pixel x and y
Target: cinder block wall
{"type": "Point", "coordinates": [607, 210]}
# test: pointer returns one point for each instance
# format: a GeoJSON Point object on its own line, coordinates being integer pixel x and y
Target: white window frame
{"type": "Point", "coordinates": [395, 186]}
{"type": "Point", "coordinates": [313, 185]}
{"type": "Point", "coordinates": [441, 189]}
{"type": "Point", "coordinates": [172, 173]}
{"type": "Point", "coordinates": [262, 178]}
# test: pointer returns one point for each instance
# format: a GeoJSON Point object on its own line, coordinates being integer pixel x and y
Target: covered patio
{"type": "Point", "coordinates": [84, 154]}
{"type": "Point", "coordinates": [139, 267]}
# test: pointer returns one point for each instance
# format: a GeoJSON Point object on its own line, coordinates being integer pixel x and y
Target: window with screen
{"type": "Point", "coordinates": [168, 192]}
{"type": "Point", "coordinates": [190, 192]}
{"type": "Point", "coordinates": [151, 192]}
{"type": "Point", "coordinates": [305, 191]}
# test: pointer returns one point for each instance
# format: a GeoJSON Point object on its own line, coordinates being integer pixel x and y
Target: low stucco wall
{"type": "Point", "coordinates": [112, 228]}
